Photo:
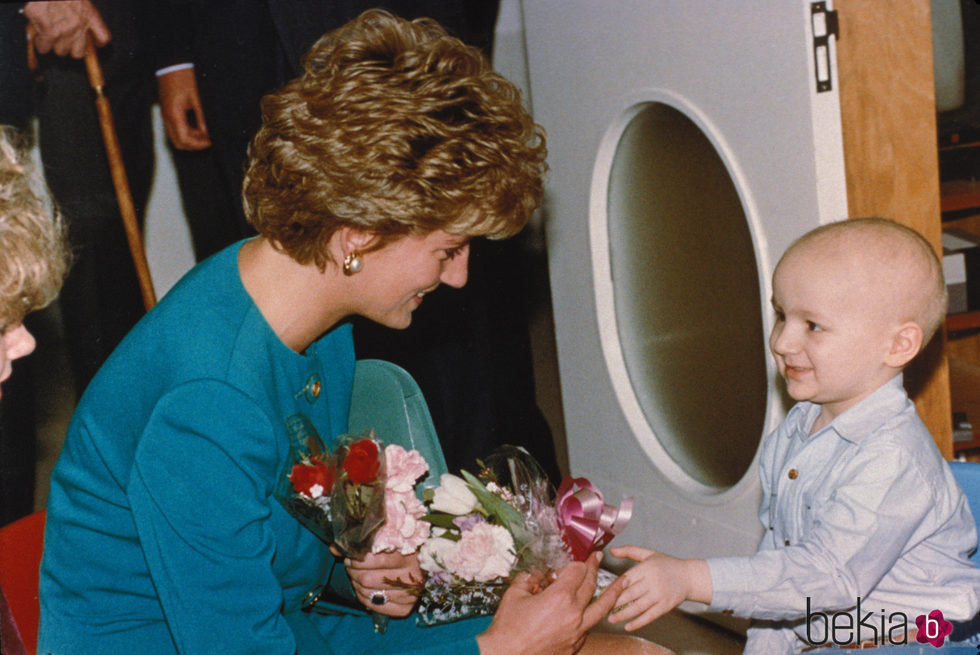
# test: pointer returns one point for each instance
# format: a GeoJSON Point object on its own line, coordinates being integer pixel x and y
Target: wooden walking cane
{"type": "Point", "coordinates": [119, 179]}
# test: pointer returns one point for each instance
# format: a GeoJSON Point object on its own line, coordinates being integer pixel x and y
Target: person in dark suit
{"type": "Point", "coordinates": [101, 298]}
{"type": "Point", "coordinates": [216, 59]}
{"type": "Point", "coordinates": [469, 350]}
{"type": "Point", "coordinates": [15, 79]}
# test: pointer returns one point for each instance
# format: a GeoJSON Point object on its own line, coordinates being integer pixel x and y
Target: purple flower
{"type": "Point", "coordinates": [468, 521]}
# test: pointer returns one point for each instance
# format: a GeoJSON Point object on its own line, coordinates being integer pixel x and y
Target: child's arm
{"type": "Point", "coordinates": [658, 584]}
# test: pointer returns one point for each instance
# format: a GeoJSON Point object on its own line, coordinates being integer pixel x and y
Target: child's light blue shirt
{"type": "Point", "coordinates": [864, 508]}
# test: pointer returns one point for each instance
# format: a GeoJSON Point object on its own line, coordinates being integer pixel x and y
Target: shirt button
{"type": "Point", "coordinates": [786, 543]}
{"type": "Point", "coordinates": [792, 474]}
{"type": "Point", "coordinates": [315, 388]}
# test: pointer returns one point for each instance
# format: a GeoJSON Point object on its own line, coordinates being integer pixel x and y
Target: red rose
{"type": "Point", "coordinates": [306, 476]}
{"type": "Point", "coordinates": [361, 462]}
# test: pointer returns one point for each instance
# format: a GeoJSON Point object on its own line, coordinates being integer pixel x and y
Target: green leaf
{"type": "Point", "coordinates": [441, 520]}
{"type": "Point", "coordinates": [451, 536]}
{"type": "Point", "coordinates": [495, 506]}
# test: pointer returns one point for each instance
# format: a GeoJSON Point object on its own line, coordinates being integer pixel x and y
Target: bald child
{"type": "Point", "coordinates": [866, 531]}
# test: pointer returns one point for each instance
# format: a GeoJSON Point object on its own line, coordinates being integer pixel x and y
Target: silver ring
{"type": "Point", "coordinates": [379, 598]}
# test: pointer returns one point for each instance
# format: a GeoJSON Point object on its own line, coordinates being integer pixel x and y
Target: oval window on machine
{"type": "Point", "coordinates": [686, 299]}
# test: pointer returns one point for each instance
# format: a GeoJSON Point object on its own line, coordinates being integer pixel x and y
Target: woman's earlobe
{"type": "Point", "coordinates": [353, 264]}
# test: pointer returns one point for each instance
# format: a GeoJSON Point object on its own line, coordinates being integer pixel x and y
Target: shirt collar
{"type": "Point", "coordinates": [861, 419]}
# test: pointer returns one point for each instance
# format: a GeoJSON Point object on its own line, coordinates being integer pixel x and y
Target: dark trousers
{"type": "Point", "coordinates": [100, 300]}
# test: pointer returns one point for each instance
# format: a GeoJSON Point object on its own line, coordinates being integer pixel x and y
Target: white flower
{"type": "Point", "coordinates": [453, 496]}
{"type": "Point", "coordinates": [435, 552]}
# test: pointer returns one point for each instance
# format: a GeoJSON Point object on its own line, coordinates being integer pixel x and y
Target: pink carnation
{"type": "Point", "coordinates": [483, 553]}
{"type": "Point", "coordinates": [403, 468]}
{"type": "Point", "coordinates": [402, 531]}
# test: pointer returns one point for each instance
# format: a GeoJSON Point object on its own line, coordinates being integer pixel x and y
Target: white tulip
{"type": "Point", "coordinates": [453, 496]}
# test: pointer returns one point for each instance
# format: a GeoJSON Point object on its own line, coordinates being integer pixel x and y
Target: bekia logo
{"type": "Point", "coordinates": [932, 629]}
{"type": "Point", "coordinates": [854, 628]}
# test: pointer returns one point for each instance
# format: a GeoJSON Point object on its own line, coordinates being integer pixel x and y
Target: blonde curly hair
{"type": "Point", "coordinates": [395, 128]}
{"type": "Point", "coordinates": [34, 253]}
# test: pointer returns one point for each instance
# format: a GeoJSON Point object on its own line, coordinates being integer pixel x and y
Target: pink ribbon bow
{"type": "Point", "coordinates": [588, 523]}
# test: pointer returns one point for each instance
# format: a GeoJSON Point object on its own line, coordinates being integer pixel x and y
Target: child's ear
{"type": "Point", "coordinates": [905, 345]}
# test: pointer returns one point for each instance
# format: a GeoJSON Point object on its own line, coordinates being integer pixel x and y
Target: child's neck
{"type": "Point", "coordinates": [831, 410]}
{"type": "Point", "coordinates": [823, 420]}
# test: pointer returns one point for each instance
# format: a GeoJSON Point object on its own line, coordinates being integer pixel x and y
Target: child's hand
{"type": "Point", "coordinates": [658, 584]}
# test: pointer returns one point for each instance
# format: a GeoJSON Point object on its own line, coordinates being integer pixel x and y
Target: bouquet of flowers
{"type": "Point", "coordinates": [338, 495]}
{"type": "Point", "coordinates": [359, 497]}
{"type": "Point", "coordinates": [488, 527]}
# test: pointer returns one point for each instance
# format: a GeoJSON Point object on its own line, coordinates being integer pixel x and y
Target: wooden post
{"type": "Point", "coordinates": [888, 112]}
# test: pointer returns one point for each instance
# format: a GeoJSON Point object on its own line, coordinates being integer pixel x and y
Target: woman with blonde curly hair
{"type": "Point", "coordinates": [33, 260]}
{"type": "Point", "coordinates": [368, 179]}
{"type": "Point", "coordinates": [33, 250]}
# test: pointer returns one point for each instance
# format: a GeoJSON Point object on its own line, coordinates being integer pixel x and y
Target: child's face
{"type": "Point", "coordinates": [831, 338]}
{"type": "Point", "coordinates": [15, 342]}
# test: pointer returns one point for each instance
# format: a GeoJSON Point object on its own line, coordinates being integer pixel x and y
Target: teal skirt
{"type": "Point", "coordinates": [355, 635]}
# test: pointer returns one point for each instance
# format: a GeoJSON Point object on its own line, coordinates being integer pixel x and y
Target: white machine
{"type": "Point", "coordinates": [689, 144]}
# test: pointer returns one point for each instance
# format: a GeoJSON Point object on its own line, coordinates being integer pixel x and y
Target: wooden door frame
{"type": "Point", "coordinates": [888, 116]}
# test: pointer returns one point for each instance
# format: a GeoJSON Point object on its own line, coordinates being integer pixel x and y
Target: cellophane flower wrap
{"type": "Point", "coordinates": [339, 495]}
{"type": "Point", "coordinates": [305, 487]}
{"type": "Point", "coordinates": [487, 528]}
{"type": "Point", "coordinates": [360, 496]}
{"type": "Point", "coordinates": [358, 505]}
{"type": "Point", "coordinates": [375, 507]}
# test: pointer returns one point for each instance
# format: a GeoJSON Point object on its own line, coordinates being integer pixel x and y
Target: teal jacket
{"type": "Point", "coordinates": [163, 535]}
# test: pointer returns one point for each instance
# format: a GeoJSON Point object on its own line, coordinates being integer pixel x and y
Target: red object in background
{"type": "Point", "coordinates": [21, 544]}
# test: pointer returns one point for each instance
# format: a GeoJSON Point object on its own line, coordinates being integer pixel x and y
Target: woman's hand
{"type": "Point", "coordinates": [550, 621]}
{"type": "Point", "coordinates": [368, 577]}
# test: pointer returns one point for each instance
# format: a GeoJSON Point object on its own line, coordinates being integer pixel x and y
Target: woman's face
{"type": "Point", "coordinates": [15, 342]}
{"type": "Point", "coordinates": [396, 277]}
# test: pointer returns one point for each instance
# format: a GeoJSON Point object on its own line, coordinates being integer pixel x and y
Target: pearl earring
{"type": "Point", "coordinates": [353, 264]}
